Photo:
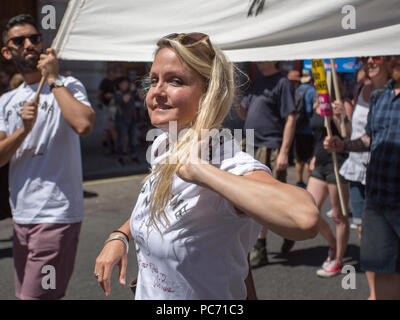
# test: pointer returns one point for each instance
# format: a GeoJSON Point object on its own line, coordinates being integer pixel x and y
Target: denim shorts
{"type": "Point", "coordinates": [380, 241]}
{"type": "Point", "coordinates": [357, 200]}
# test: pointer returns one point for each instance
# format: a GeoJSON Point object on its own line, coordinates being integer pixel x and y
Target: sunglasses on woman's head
{"type": "Point", "coordinates": [33, 38]}
{"type": "Point", "coordinates": [191, 39]}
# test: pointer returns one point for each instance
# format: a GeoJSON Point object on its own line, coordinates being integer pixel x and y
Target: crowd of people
{"type": "Point", "coordinates": [375, 77]}
{"type": "Point", "coordinates": [192, 216]}
{"type": "Point", "coordinates": [122, 99]}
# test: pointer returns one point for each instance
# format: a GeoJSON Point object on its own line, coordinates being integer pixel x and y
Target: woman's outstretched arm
{"type": "Point", "coordinates": [284, 209]}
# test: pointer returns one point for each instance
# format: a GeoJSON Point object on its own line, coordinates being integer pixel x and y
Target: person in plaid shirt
{"type": "Point", "coordinates": [380, 243]}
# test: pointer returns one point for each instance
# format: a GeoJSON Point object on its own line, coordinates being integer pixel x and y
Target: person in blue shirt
{"type": "Point", "coordinates": [380, 242]}
{"type": "Point", "coordinates": [304, 138]}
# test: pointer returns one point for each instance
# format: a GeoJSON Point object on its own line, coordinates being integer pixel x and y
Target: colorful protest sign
{"type": "Point", "coordinates": [344, 65]}
{"type": "Point", "coordinates": [321, 87]}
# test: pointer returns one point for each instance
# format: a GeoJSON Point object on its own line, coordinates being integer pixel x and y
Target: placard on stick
{"type": "Point", "coordinates": [318, 72]}
{"type": "Point", "coordinates": [326, 111]}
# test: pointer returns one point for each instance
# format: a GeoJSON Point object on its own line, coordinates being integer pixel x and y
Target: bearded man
{"type": "Point", "coordinates": [40, 140]}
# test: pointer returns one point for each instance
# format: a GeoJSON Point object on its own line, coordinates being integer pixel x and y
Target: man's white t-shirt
{"type": "Point", "coordinates": [45, 178]}
{"type": "Point", "coordinates": [203, 253]}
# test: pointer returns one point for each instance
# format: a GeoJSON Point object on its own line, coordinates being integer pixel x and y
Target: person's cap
{"type": "Point", "coordinates": [305, 77]}
{"type": "Point", "coordinates": [294, 75]}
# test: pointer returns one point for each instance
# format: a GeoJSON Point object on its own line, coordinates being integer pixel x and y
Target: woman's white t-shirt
{"type": "Point", "coordinates": [203, 253]}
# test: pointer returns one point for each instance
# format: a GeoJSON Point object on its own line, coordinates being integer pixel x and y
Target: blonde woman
{"type": "Point", "coordinates": [195, 220]}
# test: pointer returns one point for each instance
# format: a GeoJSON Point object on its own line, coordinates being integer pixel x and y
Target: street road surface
{"type": "Point", "coordinates": [109, 203]}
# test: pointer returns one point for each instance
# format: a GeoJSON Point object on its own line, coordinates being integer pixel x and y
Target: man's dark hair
{"type": "Point", "coordinates": [18, 20]}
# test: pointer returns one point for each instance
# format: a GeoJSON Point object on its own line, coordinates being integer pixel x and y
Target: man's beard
{"type": "Point", "coordinates": [24, 65]}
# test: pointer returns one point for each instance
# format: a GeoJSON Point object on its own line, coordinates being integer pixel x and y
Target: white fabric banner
{"type": "Point", "coordinates": [127, 30]}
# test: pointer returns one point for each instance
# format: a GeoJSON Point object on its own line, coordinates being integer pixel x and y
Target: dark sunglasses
{"type": "Point", "coordinates": [191, 39]}
{"type": "Point", "coordinates": [375, 60]}
{"type": "Point", "coordinates": [33, 38]}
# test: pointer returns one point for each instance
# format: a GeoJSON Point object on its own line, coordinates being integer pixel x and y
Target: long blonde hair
{"type": "Point", "coordinates": [214, 105]}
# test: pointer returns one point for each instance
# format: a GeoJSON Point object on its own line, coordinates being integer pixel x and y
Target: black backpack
{"type": "Point", "coordinates": [301, 116]}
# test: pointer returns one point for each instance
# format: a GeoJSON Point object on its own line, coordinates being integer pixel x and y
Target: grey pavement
{"type": "Point", "coordinates": [97, 165]}
{"type": "Point", "coordinates": [109, 203]}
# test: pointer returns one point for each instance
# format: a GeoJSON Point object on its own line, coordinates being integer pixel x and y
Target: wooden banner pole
{"type": "Point", "coordinates": [338, 97]}
{"type": "Point", "coordinates": [60, 36]}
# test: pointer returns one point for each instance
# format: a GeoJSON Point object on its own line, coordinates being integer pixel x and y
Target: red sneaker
{"type": "Point", "coordinates": [330, 269]}
{"type": "Point", "coordinates": [331, 257]}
